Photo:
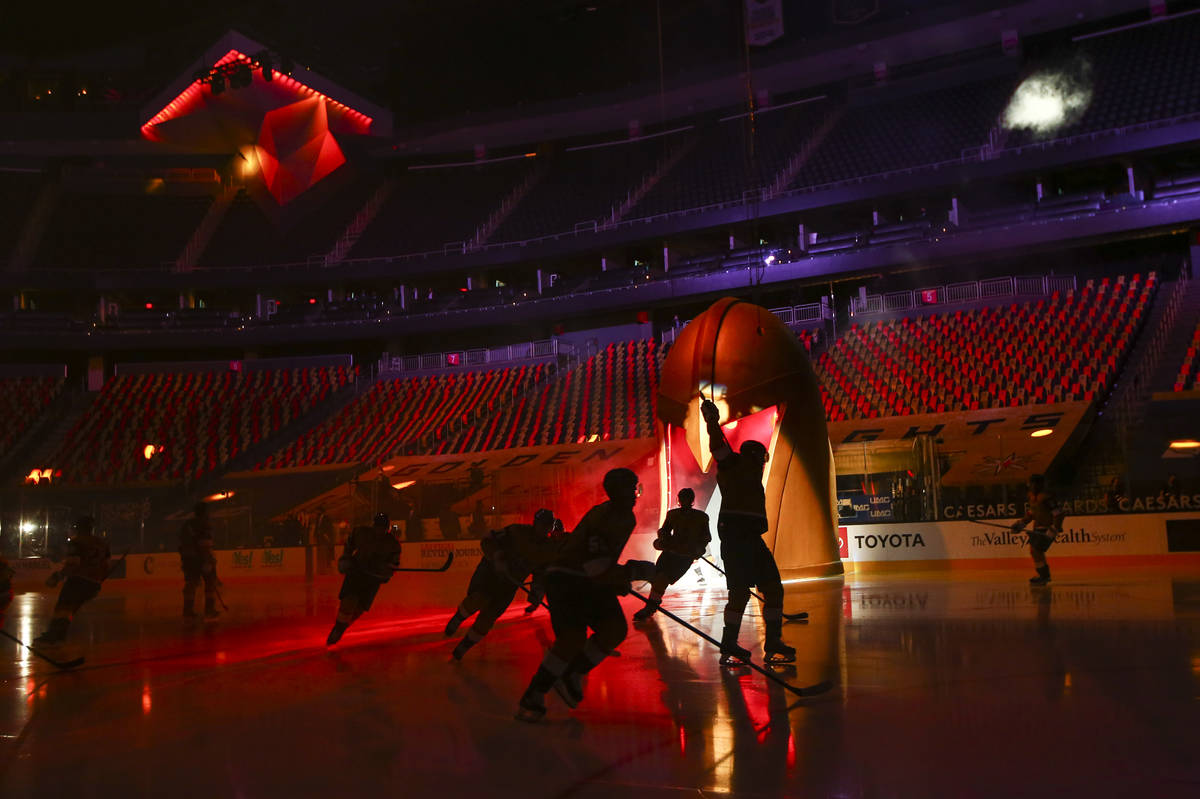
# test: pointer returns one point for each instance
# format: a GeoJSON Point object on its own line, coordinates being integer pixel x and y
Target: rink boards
{"type": "Point", "coordinates": [1139, 538]}
{"type": "Point", "coordinates": [1142, 537]}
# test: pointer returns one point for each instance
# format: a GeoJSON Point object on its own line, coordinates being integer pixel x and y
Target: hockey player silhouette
{"type": "Point", "coordinates": [582, 585]}
{"type": "Point", "coordinates": [82, 572]}
{"type": "Point", "coordinates": [682, 539]}
{"type": "Point", "coordinates": [740, 526]}
{"type": "Point", "coordinates": [508, 558]}
{"type": "Point", "coordinates": [1042, 510]}
{"type": "Point", "coordinates": [371, 556]}
{"type": "Point", "coordinates": [199, 564]}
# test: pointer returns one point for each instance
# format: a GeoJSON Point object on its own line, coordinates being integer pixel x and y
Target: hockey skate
{"type": "Point", "coordinates": [454, 623]}
{"type": "Point", "coordinates": [1043, 576]}
{"type": "Point", "coordinates": [776, 651]}
{"type": "Point", "coordinates": [463, 646]}
{"type": "Point", "coordinates": [731, 653]}
{"type": "Point", "coordinates": [531, 708]}
{"type": "Point", "coordinates": [335, 634]}
{"type": "Point", "coordinates": [55, 634]}
{"type": "Point", "coordinates": [569, 687]}
{"type": "Point", "coordinates": [48, 639]}
{"type": "Point", "coordinates": [645, 613]}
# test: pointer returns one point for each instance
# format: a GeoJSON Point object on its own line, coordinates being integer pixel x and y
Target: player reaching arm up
{"type": "Point", "coordinates": [740, 526]}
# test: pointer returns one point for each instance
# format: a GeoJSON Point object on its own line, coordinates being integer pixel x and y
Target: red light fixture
{"type": "Point", "coordinates": [149, 306]}
{"type": "Point", "coordinates": [187, 99]}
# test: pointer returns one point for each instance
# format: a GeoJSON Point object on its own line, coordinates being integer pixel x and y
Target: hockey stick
{"type": "Point", "coordinates": [442, 568]}
{"type": "Point", "coordinates": [217, 591]}
{"type": "Point", "coordinates": [529, 593]}
{"type": "Point", "coordinates": [56, 577]}
{"type": "Point", "coordinates": [801, 616]}
{"type": "Point", "coordinates": [991, 524]}
{"type": "Point", "coordinates": [810, 690]}
{"type": "Point", "coordinates": [58, 664]}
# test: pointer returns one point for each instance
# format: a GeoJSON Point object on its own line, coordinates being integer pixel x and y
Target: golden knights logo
{"type": "Point", "coordinates": [1011, 462]}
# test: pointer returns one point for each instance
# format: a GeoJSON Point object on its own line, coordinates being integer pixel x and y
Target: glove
{"type": "Point", "coordinates": [710, 411]}
{"type": "Point", "coordinates": [344, 563]}
{"type": "Point", "coordinates": [639, 569]}
{"type": "Point", "coordinates": [54, 579]}
{"type": "Point", "coordinates": [1017, 526]}
{"type": "Point", "coordinates": [208, 567]}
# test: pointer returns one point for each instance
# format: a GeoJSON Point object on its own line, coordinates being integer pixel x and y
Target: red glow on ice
{"type": "Point", "coordinates": [146, 701]}
{"type": "Point", "coordinates": [791, 755]}
{"type": "Point", "coordinates": [682, 741]}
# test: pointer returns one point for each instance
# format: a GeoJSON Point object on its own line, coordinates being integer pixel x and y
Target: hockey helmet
{"type": "Point", "coordinates": [381, 520]}
{"type": "Point", "coordinates": [622, 484]}
{"type": "Point", "coordinates": [1037, 482]}
{"type": "Point", "coordinates": [543, 520]}
{"type": "Point", "coordinates": [84, 524]}
{"type": "Point", "coordinates": [755, 450]}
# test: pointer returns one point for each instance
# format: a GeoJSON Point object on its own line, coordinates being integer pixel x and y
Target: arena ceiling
{"type": "Point", "coordinates": [427, 59]}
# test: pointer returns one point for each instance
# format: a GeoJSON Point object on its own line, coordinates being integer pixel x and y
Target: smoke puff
{"type": "Point", "coordinates": [1050, 100]}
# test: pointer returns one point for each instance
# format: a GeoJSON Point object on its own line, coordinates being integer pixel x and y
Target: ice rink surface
{"type": "Point", "coordinates": [945, 685]}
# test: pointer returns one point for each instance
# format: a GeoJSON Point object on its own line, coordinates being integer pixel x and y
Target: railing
{"type": "Point", "coordinates": [967, 155]}
{"type": "Point", "coordinates": [1126, 411]}
{"type": "Point", "coordinates": [1066, 141]}
{"type": "Point", "coordinates": [970, 291]}
{"type": "Point", "coordinates": [455, 359]}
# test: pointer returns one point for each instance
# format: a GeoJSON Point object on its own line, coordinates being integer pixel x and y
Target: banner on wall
{"type": "Point", "coordinates": [988, 446]}
{"type": "Point", "coordinates": [477, 491]}
{"type": "Point", "coordinates": [764, 21]}
{"type": "Point", "coordinates": [855, 507]}
{"type": "Point", "coordinates": [1083, 536]}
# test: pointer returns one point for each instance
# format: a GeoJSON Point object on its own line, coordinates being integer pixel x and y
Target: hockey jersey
{"type": "Point", "coordinates": [521, 547]}
{"type": "Point", "coordinates": [87, 557]}
{"type": "Point", "coordinates": [593, 547]}
{"type": "Point", "coordinates": [685, 531]}
{"type": "Point", "coordinates": [6, 578]}
{"type": "Point", "coordinates": [1042, 509]}
{"type": "Point", "coordinates": [374, 551]}
{"type": "Point", "coordinates": [740, 481]}
{"type": "Point", "coordinates": [196, 540]}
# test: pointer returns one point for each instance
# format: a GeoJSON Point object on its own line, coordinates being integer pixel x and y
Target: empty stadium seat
{"type": "Point", "coordinates": [202, 420]}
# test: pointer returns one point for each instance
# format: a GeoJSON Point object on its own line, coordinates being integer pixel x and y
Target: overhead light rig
{"type": "Point", "coordinates": [239, 72]}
